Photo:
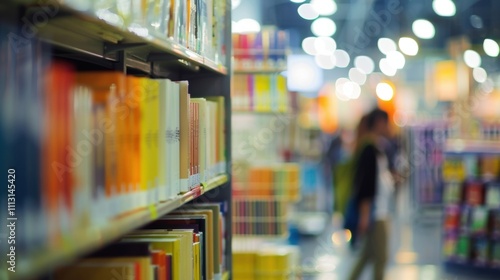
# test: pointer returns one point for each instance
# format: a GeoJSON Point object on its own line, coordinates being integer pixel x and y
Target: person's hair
{"type": "Point", "coordinates": [374, 116]}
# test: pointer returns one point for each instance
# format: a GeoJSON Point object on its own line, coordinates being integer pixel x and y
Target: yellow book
{"type": "Point", "coordinates": [220, 135]}
{"type": "Point", "coordinates": [197, 261]}
{"type": "Point", "coordinates": [171, 245]}
{"type": "Point", "coordinates": [281, 87]}
{"type": "Point", "coordinates": [99, 271]}
{"type": "Point", "coordinates": [262, 93]}
{"type": "Point", "coordinates": [210, 236]}
{"type": "Point", "coordinates": [145, 264]}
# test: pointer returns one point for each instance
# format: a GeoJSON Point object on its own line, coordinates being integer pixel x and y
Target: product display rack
{"type": "Point", "coordinates": [471, 197]}
{"type": "Point", "coordinates": [88, 41]}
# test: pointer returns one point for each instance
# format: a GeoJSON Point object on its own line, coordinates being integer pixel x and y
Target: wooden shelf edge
{"type": "Point", "coordinates": [80, 244]}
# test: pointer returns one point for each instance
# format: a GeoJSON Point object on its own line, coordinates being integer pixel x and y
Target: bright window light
{"type": "Point", "coordinates": [479, 75]}
{"type": "Point", "coordinates": [408, 46]}
{"type": "Point", "coordinates": [444, 8]}
{"type": "Point", "coordinates": [325, 45]}
{"type": "Point", "coordinates": [387, 68]}
{"type": "Point", "coordinates": [323, 27]}
{"type": "Point", "coordinates": [324, 7]}
{"type": "Point", "coordinates": [423, 29]}
{"type": "Point", "coordinates": [308, 45]}
{"type": "Point", "coordinates": [384, 91]}
{"type": "Point", "coordinates": [472, 58]}
{"type": "Point", "coordinates": [491, 47]}
{"type": "Point", "coordinates": [342, 58]}
{"type": "Point", "coordinates": [386, 45]}
{"type": "Point", "coordinates": [396, 59]}
{"type": "Point", "coordinates": [306, 11]}
{"type": "Point", "coordinates": [326, 62]}
{"type": "Point", "coordinates": [358, 76]}
{"type": "Point", "coordinates": [365, 64]}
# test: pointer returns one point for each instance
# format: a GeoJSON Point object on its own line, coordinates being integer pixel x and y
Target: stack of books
{"type": "Point", "coordinates": [263, 51]}
{"type": "Point", "coordinates": [260, 93]}
{"type": "Point", "coordinates": [186, 244]}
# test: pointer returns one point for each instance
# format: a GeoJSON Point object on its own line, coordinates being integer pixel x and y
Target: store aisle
{"type": "Point", "coordinates": [415, 251]}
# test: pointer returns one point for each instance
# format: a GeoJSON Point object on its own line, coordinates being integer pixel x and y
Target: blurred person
{"type": "Point", "coordinates": [372, 191]}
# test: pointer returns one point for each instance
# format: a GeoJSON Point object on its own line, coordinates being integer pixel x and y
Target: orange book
{"type": "Point", "coordinates": [58, 155]}
{"type": "Point", "coordinates": [107, 87]}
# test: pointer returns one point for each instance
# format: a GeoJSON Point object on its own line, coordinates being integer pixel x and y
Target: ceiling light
{"type": "Point", "coordinates": [472, 58]}
{"type": "Point", "coordinates": [306, 11]}
{"type": "Point", "coordinates": [365, 64]}
{"type": "Point", "coordinates": [298, 1]}
{"type": "Point", "coordinates": [384, 91]}
{"type": "Point", "coordinates": [324, 7]}
{"type": "Point", "coordinates": [358, 76]}
{"type": "Point", "coordinates": [325, 45]}
{"type": "Point", "coordinates": [246, 25]}
{"type": "Point", "coordinates": [339, 89]}
{"type": "Point", "coordinates": [325, 61]}
{"type": "Point", "coordinates": [444, 8]}
{"type": "Point", "coordinates": [408, 46]}
{"type": "Point", "coordinates": [351, 90]}
{"type": "Point", "coordinates": [386, 45]}
{"type": "Point", "coordinates": [423, 29]}
{"type": "Point", "coordinates": [491, 47]}
{"type": "Point", "coordinates": [387, 68]}
{"type": "Point", "coordinates": [342, 58]}
{"type": "Point", "coordinates": [235, 3]}
{"type": "Point", "coordinates": [396, 59]}
{"type": "Point", "coordinates": [308, 45]}
{"type": "Point", "coordinates": [479, 75]}
{"type": "Point", "coordinates": [323, 27]}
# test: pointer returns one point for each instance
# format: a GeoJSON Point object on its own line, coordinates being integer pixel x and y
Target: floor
{"type": "Point", "coordinates": [415, 250]}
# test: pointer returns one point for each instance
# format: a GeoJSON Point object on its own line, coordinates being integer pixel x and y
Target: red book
{"type": "Point", "coordinates": [160, 260]}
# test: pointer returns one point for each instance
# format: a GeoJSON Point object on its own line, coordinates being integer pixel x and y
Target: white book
{"type": "Point", "coordinates": [162, 142]}
{"type": "Point", "coordinates": [169, 137]}
{"type": "Point", "coordinates": [175, 147]}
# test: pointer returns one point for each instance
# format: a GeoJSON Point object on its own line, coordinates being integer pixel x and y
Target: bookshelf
{"type": "Point", "coordinates": [88, 241]}
{"type": "Point", "coordinates": [89, 43]}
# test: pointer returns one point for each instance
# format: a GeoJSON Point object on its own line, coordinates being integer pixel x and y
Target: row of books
{"type": "Point", "coordinates": [186, 244]}
{"type": "Point", "coordinates": [197, 24]}
{"type": "Point", "coordinates": [273, 262]}
{"type": "Point", "coordinates": [259, 51]}
{"type": "Point", "coordinates": [473, 193]}
{"type": "Point", "coordinates": [89, 146]}
{"type": "Point", "coordinates": [260, 93]}
{"type": "Point", "coordinates": [280, 181]}
{"type": "Point", "coordinates": [480, 252]}
{"type": "Point", "coordinates": [260, 217]}
{"type": "Point", "coordinates": [472, 219]}
{"type": "Point", "coordinates": [458, 168]}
